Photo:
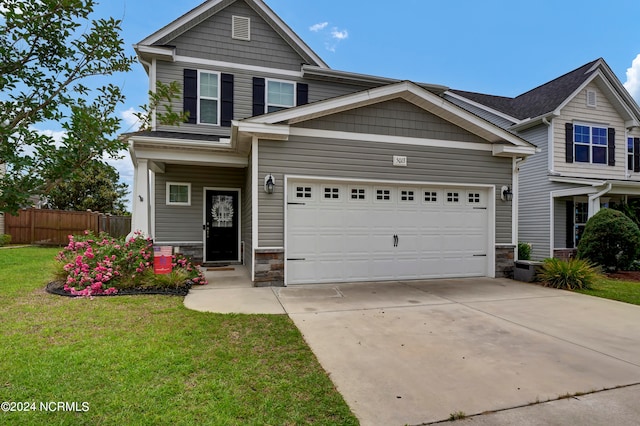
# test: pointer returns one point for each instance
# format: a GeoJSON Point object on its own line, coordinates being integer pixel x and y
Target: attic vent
{"type": "Point", "coordinates": [240, 28]}
{"type": "Point", "coordinates": [592, 100]}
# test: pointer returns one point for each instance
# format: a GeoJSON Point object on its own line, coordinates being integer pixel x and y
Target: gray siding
{"type": "Point", "coordinates": [534, 188]}
{"type": "Point", "coordinates": [480, 112]}
{"type": "Point", "coordinates": [211, 39]}
{"type": "Point", "coordinates": [395, 117]}
{"type": "Point", "coordinates": [243, 92]}
{"type": "Point", "coordinates": [364, 160]}
{"type": "Point", "coordinates": [184, 223]}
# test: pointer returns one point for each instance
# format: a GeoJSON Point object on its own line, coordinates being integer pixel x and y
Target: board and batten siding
{"type": "Point", "coordinates": [211, 39]}
{"type": "Point", "coordinates": [603, 114]}
{"type": "Point", "coordinates": [167, 72]}
{"type": "Point", "coordinates": [306, 156]}
{"type": "Point", "coordinates": [184, 223]}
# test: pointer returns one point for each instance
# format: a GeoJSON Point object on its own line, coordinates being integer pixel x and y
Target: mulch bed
{"type": "Point", "coordinates": [625, 275]}
{"type": "Point", "coordinates": [56, 287]}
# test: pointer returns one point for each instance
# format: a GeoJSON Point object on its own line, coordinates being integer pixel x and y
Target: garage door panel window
{"type": "Point", "coordinates": [430, 196]}
{"type": "Point", "coordinates": [304, 192]}
{"type": "Point", "coordinates": [407, 195]}
{"type": "Point", "coordinates": [358, 194]}
{"type": "Point", "coordinates": [383, 195]}
{"type": "Point", "coordinates": [331, 193]}
{"type": "Point", "coordinates": [453, 197]}
{"type": "Point", "coordinates": [473, 198]}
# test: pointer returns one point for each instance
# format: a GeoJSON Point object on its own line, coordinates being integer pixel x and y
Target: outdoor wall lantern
{"type": "Point", "coordinates": [507, 195]}
{"type": "Point", "coordinates": [269, 184]}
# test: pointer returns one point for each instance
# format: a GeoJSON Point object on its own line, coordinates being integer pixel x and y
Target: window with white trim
{"type": "Point", "coordinates": [208, 98]}
{"type": "Point", "coordinates": [630, 154]}
{"type": "Point", "coordinates": [590, 144]}
{"type": "Point", "coordinates": [474, 198]}
{"type": "Point", "coordinates": [407, 195]}
{"type": "Point", "coordinates": [383, 194]}
{"type": "Point", "coordinates": [280, 95]}
{"type": "Point", "coordinates": [331, 193]}
{"type": "Point", "coordinates": [358, 194]}
{"type": "Point", "coordinates": [453, 197]}
{"type": "Point", "coordinates": [178, 194]}
{"type": "Point", "coordinates": [303, 192]}
{"type": "Point", "coordinates": [430, 197]}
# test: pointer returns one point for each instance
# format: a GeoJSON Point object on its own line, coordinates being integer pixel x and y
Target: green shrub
{"type": "Point", "coordinates": [568, 275]}
{"type": "Point", "coordinates": [610, 239]}
{"type": "Point", "coordinates": [524, 251]}
{"type": "Point", "coordinates": [5, 239]}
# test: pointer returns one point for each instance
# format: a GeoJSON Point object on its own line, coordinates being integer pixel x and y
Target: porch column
{"type": "Point", "coordinates": [594, 201]}
{"type": "Point", "coordinates": [140, 210]}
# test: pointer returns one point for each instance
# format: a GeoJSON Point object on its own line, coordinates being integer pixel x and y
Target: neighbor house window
{"type": "Point", "coordinates": [208, 100]}
{"type": "Point", "coordinates": [280, 95]}
{"type": "Point", "coordinates": [178, 194]}
{"type": "Point", "coordinates": [590, 144]}
{"type": "Point", "coordinates": [630, 154]}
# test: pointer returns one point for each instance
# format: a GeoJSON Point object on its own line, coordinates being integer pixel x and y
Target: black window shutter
{"type": "Point", "coordinates": [611, 142]}
{"type": "Point", "coordinates": [258, 96]}
{"type": "Point", "coordinates": [568, 139]}
{"type": "Point", "coordinates": [302, 94]}
{"type": "Point", "coordinates": [570, 231]}
{"type": "Point", "coordinates": [636, 154]}
{"type": "Point", "coordinates": [226, 109]}
{"type": "Point", "coordinates": [190, 97]}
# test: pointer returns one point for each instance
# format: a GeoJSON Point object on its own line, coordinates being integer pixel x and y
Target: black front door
{"type": "Point", "coordinates": [221, 227]}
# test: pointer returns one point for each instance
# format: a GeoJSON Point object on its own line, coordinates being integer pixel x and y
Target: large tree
{"type": "Point", "coordinates": [94, 187]}
{"type": "Point", "coordinates": [49, 52]}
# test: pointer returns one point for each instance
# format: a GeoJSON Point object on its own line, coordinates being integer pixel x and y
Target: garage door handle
{"type": "Point", "coordinates": [395, 240]}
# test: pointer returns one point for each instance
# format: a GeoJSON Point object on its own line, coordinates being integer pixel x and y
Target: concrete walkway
{"type": "Point", "coordinates": [416, 352]}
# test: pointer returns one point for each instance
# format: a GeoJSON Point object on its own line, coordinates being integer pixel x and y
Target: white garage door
{"type": "Point", "coordinates": [340, 232]}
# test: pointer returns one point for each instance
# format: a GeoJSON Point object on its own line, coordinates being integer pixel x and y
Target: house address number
{"type": "Point", "coordinates": [399, 160]}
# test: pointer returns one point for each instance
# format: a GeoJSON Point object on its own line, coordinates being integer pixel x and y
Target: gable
{"type": "Point", "coordinates": [604, 112]}
{"type": "Point", "coordinates": [396, 117]}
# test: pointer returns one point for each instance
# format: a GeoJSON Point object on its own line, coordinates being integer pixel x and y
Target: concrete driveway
{"type": "Point", "coordinates": [416, 352]}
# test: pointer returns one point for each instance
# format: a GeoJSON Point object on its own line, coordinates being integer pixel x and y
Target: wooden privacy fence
{"type": "Point", "coordinates": [36, 226]}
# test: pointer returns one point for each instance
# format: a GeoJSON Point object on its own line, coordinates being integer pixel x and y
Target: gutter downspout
{"type": "Point", "coordinates": [515, 184]}
{"type": "Point", "coordinates": [594, 201]}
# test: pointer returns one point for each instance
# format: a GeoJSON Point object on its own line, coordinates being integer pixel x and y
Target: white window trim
{"type": "Point", "coordinates": [591, 144]}
{"type": "Point", "coordinates": [173, 203]}
{"type": "Point", "coordinates": [266, 94]}
{"type": "Point", "coordinates": [200, 72]}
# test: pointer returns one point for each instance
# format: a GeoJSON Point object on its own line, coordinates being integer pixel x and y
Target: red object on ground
{"type": "Point", "coordinates": [162, 260]}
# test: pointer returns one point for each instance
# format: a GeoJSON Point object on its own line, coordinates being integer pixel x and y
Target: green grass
{"type": "Point", "coordinates": [623, 291]}
{"type": "Point", "coordinates": [148, 360]}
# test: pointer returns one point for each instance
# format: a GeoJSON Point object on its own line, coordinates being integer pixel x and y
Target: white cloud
{"type": "Point", "coordinates": [318, 27]}
{"type": "Point", "coordinates": [56, 135]}
{"type": "Point", "coordinates": [339, 34]}
{"type": "Point", "coordinates": [633, 79]}
{"type": "Point", "coordinates": [131, 122]}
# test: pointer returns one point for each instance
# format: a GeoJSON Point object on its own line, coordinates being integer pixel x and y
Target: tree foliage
{"type": "Point", "coordinates": [49, 50]}
{"type": "Point", "coordinates": [94, 187]}
{"type": "Point", "coordinates": [610, 239]}
{"type": "Point", "coordinates": [163, 96]}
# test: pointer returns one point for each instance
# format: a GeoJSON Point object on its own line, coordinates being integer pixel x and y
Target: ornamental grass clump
{"type": "Point", "coordinates": [91, 265]}
{"type": "Point", "coordinates": [572, 274]}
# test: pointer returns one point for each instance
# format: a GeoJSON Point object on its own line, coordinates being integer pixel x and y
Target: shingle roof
{"type": "Point", "coordinates": [538, 101]}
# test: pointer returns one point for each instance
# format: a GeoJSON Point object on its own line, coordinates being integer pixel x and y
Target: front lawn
{"type": "Point", "coordinates": [608, 288]}
{"type": "Point", "coordinates": [148, 360]}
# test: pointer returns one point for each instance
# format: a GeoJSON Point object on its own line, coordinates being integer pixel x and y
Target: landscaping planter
{"type": "Point", "coordinates": [526, 270]}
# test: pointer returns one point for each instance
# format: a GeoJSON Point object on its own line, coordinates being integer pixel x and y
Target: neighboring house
{"type": "Point", "coordinates": [587, 130]}
{"type": "Point", "coordinates": [308, 174]}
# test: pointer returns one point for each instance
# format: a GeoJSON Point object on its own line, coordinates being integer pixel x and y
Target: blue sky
{"type": "Point", "coordinates": [500, 47]}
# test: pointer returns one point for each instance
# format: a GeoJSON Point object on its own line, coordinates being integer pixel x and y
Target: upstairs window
{"type": "Point", "coordinates": [280, 95]}
{"type": "Point", "coordinates": [590, 144]}
{"type": "Point", "coordinates": [209, 95]}
{"type": "Point", "coordinates": [630, 154]}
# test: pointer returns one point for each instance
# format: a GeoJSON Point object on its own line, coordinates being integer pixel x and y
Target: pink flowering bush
{"type": "Point", "coordinates": [91, 265]}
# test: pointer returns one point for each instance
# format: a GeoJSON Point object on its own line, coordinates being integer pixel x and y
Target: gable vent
{"type": "Point", "coordinates": [240, 28]}
{"type": "Point", "coordinates": [592, 99]}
